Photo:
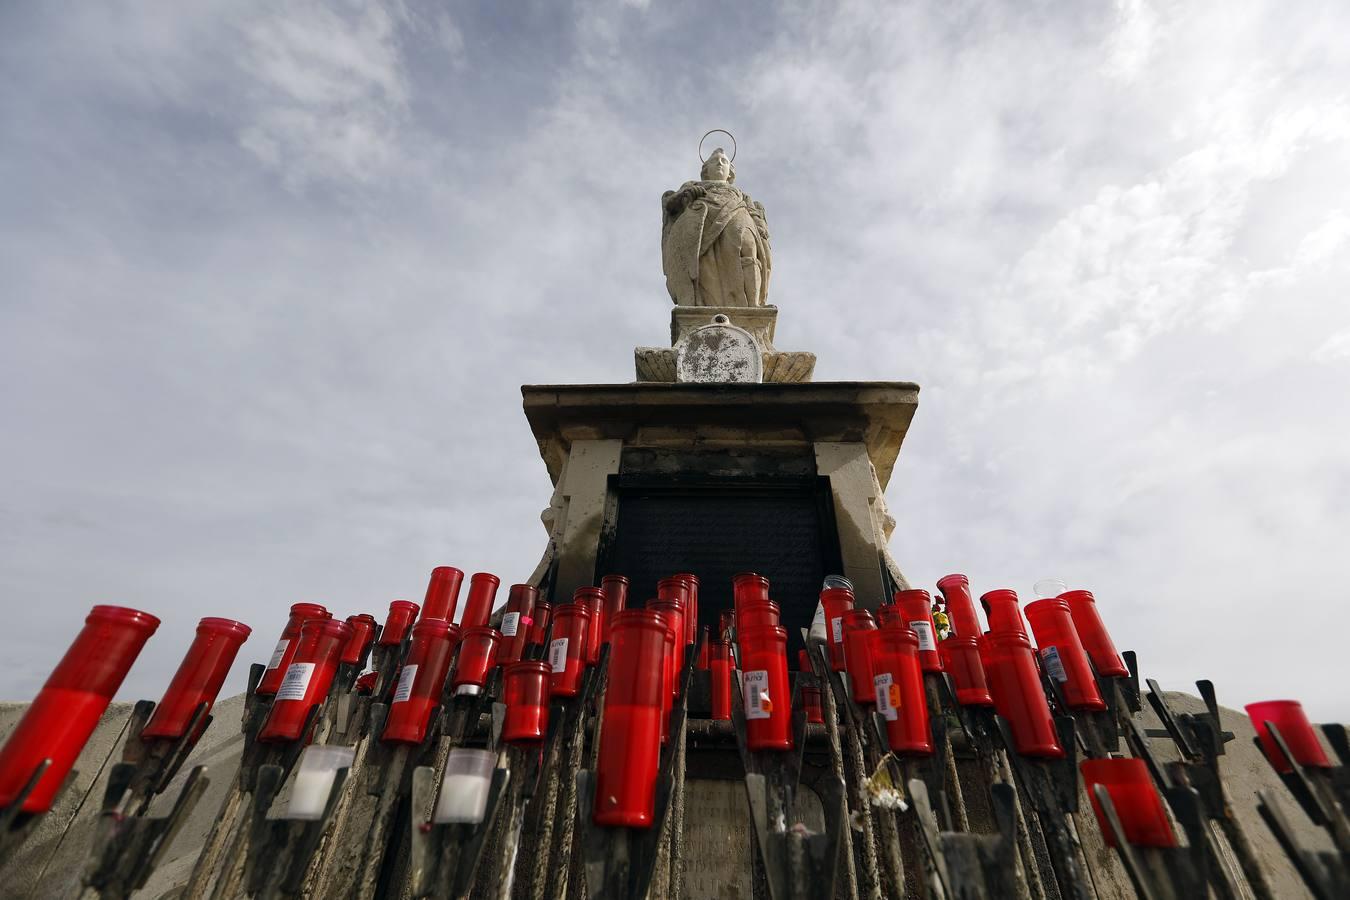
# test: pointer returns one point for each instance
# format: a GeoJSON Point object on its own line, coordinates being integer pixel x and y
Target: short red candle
{"type": "Point", "coordinates": [1087, 620]}
{"type": "Point", "coordinates": [285, 649]}
{"type": "Point", "coordinates": [961, 658]}
{"type": "Point", "coordinates": [616, 601]}
{"type": "Point", "coordinates": [442, 593]}
{"type": "Point", "coordinates": [307, 679]}
{"type": "Point", "coordinates": [836, 602]}
{"type": "Point", "coordinates": [1000, 609]}
{"type": "Point", "coordinates": [59, 721]}
{"type": "Point", "coordinates": [667, 668]}
{"type": "Point", "coordinates": [396, 624]}
{"type": "Point", "coordinates": [525, 694]}
{"type": "Point", "coordinates": [516, 621]}
{"type": "Point", "coordinates": [198, 678]}
{"type": "Point", "coordinates": [764, 689]}
{"type": "Point", "coordinates": [1135, 798]}
{"type": "Point", "coordinates": [960, 607]}
{"type": "Point", "coordinates": [630, 740]}
{"type": "Point", "coordinates": [1062, 654]}
{"type": "Point", "coordinates": [691, 614]}
{"type": "Point", "coordinates": [1288, 716]}
{"type": "Point", "coordinates": [858, 629]}
{"type": "Point", "coordinates": [363, 635]}
{"type": "Point", "coordinates": [478, 649]}
{"type": "Point", "coordinates": [916, 606]}
{"type": "Point", "coordinates": [594, 600]}
{"type": "Point", "coordinates": [898, 681]}
{"type": "Point", "coordinates": [567, 649]}
{"type": "Point", "coordinates": [1016, 685]}
{"type": "Point", "coordinates": [719, 665]}
{"type": "Point", "coordinates": [758, 614]}
{"type": "Point", "coordinates": [543, 617]}
{"type": "Point", "coordinates": [421, 681]}
{"type": "Point", "coordinates": [674, 612]}
{"type": "Point", "coordinates": [482, 593]}
{"type": "Point", "coordinates": [889, 615]}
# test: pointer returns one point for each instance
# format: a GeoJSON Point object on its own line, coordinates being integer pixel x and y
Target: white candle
{"type": "Point", "coordinates": [463, 799]}
{"type": "Point", "coordinates": [314, 779]}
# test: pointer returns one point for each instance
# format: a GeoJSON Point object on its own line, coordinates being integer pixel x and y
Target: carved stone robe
{"type": "Point", "coordinates": [714, 246]}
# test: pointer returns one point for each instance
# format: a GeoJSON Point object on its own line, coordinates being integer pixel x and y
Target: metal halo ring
{"type": "Point", "coordinates": [702, 158]}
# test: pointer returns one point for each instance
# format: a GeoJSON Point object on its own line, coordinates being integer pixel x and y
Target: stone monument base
{"type": "Point", "coordinates": [657, 364]}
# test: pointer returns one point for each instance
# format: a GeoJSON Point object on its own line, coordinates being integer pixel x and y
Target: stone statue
{"type": "Point", "coordinates": [714, 240]}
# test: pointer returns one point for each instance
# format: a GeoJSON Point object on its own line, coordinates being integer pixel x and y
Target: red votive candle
{"type": "Point", "coordinates": [1000, 610]}
{"type": "Point", "coordinates": [198, 678]}
{"type": "Point", "coordinates": [59, 721]}
{"type": "Point", "coordinates": [961, 658]}
{"type": "Point", "coordinates": [616, 600]}
{"type": "Point", "coordinates": [1062, 654]}
{"type": "Point", "coordinates": [691, 613]}
{"type": "Point", "coordinates": [1135, 798]}
{"type": "Point", "coordinates": [758, 614]}
{"type": "Point", "coordinates": [1288, 716]}
{"type": "Point", "coordinates": [836, 601]}
{"type": "Point", "coordinates": [1087, 621]}
{"type": "Point", "coordinates": [543, 617]}
{"type": "Point", "coordinates": [748, 587]}
{"type": "Point", "coordinates": [809, 688]}
{"type": "Point", "coordinates": [917, 609]}
{"type": "Point", "coordinates": [363, 635]}
{"type": "Point", "coordinates": [482, 593]}
{"type": "Point", "coordinates": [525, 694]}
{"type": "Point", "coordinates": [421, 681]}
{"type": "Point", "coordinates": [396, 624]}
{"type": "Point", "coordinates": [703, 650]}
{"type": "Point", "coordinates": [764, 689]}
{"type": "Point", "coordinates": [567, 650]}
{"type": "Point", "coordinates": [858, 629]}
{"type": "Point", "coordinates": [1018, 696]}
{"type": "Point", "coordinates": [673, 610]}
{"type": "Point", "coordinates": [889, 615]}
{"type": "Point", "coordinates": [594, 600]}
{"type": "Point", "coordinates": [285, 649]}
{"type": "Point", "coordinates": [516, 621]}
{"type": "Point", "coordinates": [307, 679]}
{"type": "Point", "coordinates": [630, 741]}
{"type": "Point", "coordinates": [898, 682]}
{"type": "Point", "coordinates": [477, 655]}
{"type": "Point", "coordinates": [442, 593]}
{"type": "Point", "coordinates": [719, 664]}
{"type": "Point", "coordinates": [960, 607]}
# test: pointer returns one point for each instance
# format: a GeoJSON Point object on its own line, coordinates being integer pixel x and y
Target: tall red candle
{"type": "Point", "coordinates": [516, 621]}
{"type": "Point", "coordinates": [1087, 620]}
{"type": "Point", "coordinates": [616, 600]}
{"type": "Point", "coordinates": [198, 678]}
{"type": "Point", "coordinates": [836, 601]}
{"type": "Point", "coordinates": [363, 635]}
{"type": "Point", "coordinates": [960, 607]}
{"type": "Point", "coordinates": [764, 689]}
{"type": "Point", "coordinates": [917, 609]}
{"type": "Point", "coordinates": [482, 593]}
{"type": "Point", "coordinates": [478, 648]}
{"type": "Point", "coordinates": [719, 665]}
{"type": "Point", "coordinates": [961, 658]}
{"type": "Point", "coordinates": [594, 600]}
{"type": "Point", "coordinates": [543, 617]}
{"type": "Point", "coordinates": [630, 741]}
{"type": "Point", "coordinates": [748, 587]}
{"type": "Point", "coordinates": [726, 623]}
{"type": "Point", "coordinates": [442, 593]}
{"type": "Point", "coordinates": [396, 624]}
{"type": "Point", "coordinates": [667, 666]}
{"type": "Point", "coordinates": [421, 681]}
{"type": "Point", "coordinates": [1018, 695]}
{"type": "Point", "coordinates": [307, 679]}
{"type": "Point", "coordinates": [691, 614]}
{"type": "Point", "coordinates": [285, 649]}
{"type": "Point", "coordinates": [898, 681]}
{"type": "Point", "coordinates": [859, 627]}
{"type": "Point", "coordinates": [1062, 654]}
{"type": "Point", "coordinates": [1000, 609]}
{"type": "Point", "coordinates": [674, 612]}
{"type": "Point", "coordinates": [758, 613]}
{"type": "Point", "coordinates": [59, 721]}
{"type": "Point", "coordinates": [567, 649]}
{"type": "Point", "coordinates": [525, 695]}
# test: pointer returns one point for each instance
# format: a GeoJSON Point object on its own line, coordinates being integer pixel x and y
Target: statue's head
{"type": "Point", "coordinates": [717, 167]}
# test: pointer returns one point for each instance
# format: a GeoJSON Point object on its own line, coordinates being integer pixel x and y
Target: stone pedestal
{"type": "Point", "coordinates": [657, 364]}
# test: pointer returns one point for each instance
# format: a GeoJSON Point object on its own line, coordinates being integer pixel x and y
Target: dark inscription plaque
{"type": "Point", "coordinates": [784, 533]}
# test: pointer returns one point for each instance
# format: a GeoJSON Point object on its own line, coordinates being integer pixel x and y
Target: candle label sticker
{"type": "Point", "coordinates": [278, 653]}
{"type": "Point", "coordinates": [757, 702]}
{"type": "Point", "coordinates": [924, 629]}
{"type": "Point", "coordinates": [557, 654]}
{"type": "Point", "coordinates": [510, 622]}
{"type": "Point", "coordinates": [837, 629]}
{"type": "Point", "coordinates": [405, 683]}
{"type": "Point", "coordinates": [295, 682]}
{"type": "Point", "coordinates": [888, 696]}
{"type": "Point", "coordinates": [1053, 664]}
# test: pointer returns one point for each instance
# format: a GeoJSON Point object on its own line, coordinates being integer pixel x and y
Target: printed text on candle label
{"type": "Point", "coordinates": [757, 702]}
{"type": "Point", "coordinates": [295, 682]}
{"type": "Point", "coordinates": [888, 696]}
{"type": "Point", "coordinates": [510, 622]}
{"type": "Point", "coordinates": [837, 629]}
{"type": "Point", "coordinates": [1053, 664]}
{"type": "Point", "coordinates": [405, 683]}
{"type": "Point", "coordinates": [557, 654]}
{"type": "Point", "coordinates": [924, 629]}
{"type": "Point", "coordinates": [278, 653]}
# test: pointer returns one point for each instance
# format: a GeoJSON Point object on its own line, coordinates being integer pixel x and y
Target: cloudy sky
{"type": "Point", "coordinates": [271, 276]}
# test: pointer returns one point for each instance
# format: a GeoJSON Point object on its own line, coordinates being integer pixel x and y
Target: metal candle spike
{"type": "Point", "coordinates": [282, 848]}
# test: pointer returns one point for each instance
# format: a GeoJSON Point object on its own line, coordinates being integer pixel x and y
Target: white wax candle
{"type": "Point", "coordinates": [310, 793]}
{"type": "Point", "coordinates": [463, 798]}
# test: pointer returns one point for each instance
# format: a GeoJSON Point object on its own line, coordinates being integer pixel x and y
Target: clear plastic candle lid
{"type": "Point", "coordinates": [1049, 588]}
{"type": "Point", "coordinates": [836, 581]}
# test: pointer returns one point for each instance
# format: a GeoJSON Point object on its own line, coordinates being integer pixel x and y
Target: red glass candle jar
{"type": "Point", "coordinates": [525, 694]}
{"type": "Point", "coordinates": [898, 682]}
{"type": "Point", "coordinates": [363, 635]}
{"type": "Point", "coordinates": [916, 608]}
{"type": "Point", "coordinates": [890, 615]}
{"type": "Point", "coordinates": [365, 684]}
{"type": "Point", "coordinates": [421, 681]}
{"type": "Point", "coordinates": [59, 721]}
{"type": "Point", "coordinates": [1000, 610]}
{"type": "Point", "coordinates": [1018, 696]}
{"type": "Point", "coordinates": [703, 650]}
{"type": "Point", "coordinates": [758, 614]}
{"type": "Point", "coordinates": [442, 593]}
{"type": "Point", "coordinates": [836, 601]}
{"type": "Point", "coordinates": [1135, 798]}
{"type": "Point", "coordinates": [858, 627]}
{"type": "Point", "coordinates": [960, 607]}
{"type": "Point", "coordinates": [630, 741]}
{"type": "Point", "coordinates": [478, 606]}
{"type": "Point", "coordinates": [616, 601]}
{"type": "Point", "coordinates": [516, 621]}
{"type": "Point", "coordinates": [726, 623]}
{"type": "Point", "coordinates": [478, 649]}
{"type": "Point", "coordinates": [748, 587]}
{"type": "Point", "coordinates": [567, 650]}
{"type": "Point", "coordinates": [674, 588]}
{"type": "Point", "coordinates": [668, 672]}
{"type": "Point", "coordinates": [815, 712]}
{"type": "Point", "coordinates": [543, 617]}
{"type": "Point", "coordinates": [1288, 716]}
{"type": "Point", "coordinates": [285, 649]}
{"type": "Point", "coordinates": [673, 611]}
{"type": "Point", "coordinates": [1087, 621]}
{"type": "Point", "coordinates": [396, 624]}
{"type": "Point", "coordinates": [764, 689]}
{"type": "Point", "coordinates": [691, 613]}
{"type": "Point", "coordinates": [198, 678]}
{"type": "Point", "coordinates": [1062, 654]}
{"type": "Point", "coordinates": [961, 658]}
{"type": "Point", "coordinates": [719, 665]}
{"type": "Point", "coordinates": [594, 600]}
{"type": "Point", "coordinates": [307, 679]}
